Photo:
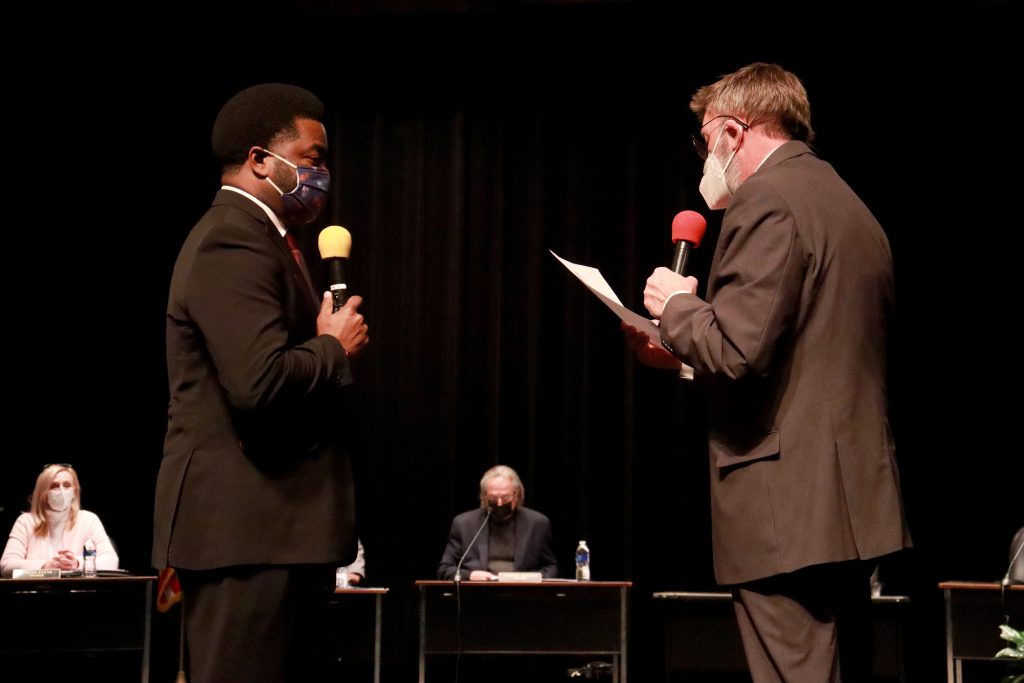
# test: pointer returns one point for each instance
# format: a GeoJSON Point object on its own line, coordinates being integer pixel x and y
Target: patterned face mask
{"type": "Point", "coordinates": [303, 203]}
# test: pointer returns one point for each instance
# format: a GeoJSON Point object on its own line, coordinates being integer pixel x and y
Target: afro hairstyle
{"type": "Point", "coordinates": [257, 116]}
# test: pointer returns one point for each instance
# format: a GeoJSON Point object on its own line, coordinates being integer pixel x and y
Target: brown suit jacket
{"type": "Point", "coordinates": [253, 469]}
{"type": "Point", "coordinates": [793, 340]}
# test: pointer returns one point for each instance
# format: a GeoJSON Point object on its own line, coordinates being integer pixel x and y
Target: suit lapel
{"type": "Point", "coordinates": [303, 271]}
{"type": "Point", "coordinates": [519, 533]}
{"type": "Point", "coordinates": [301, 280]}
{"type": "Point", "coordinates": [481, 543]}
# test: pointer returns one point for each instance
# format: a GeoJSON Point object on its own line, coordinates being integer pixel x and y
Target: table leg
{"type": "Point", "coordinates": [423, 635]}
{"type": "Point", "coordinates": [376, 638]}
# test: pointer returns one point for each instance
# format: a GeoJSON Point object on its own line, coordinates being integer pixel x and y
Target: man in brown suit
{"type": "Point", "coordinates": [254, 502]}
{"type": "Point", "coordinates": [792, 339]}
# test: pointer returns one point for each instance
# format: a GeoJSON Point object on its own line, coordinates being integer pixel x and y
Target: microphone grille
{"type": "Point", "coordinates": [334, 242]}
{"type": "Point", "coordinates": [689, 226]}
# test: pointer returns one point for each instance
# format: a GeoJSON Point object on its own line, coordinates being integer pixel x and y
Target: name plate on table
{"type": "Point", "coordinates": [58, 574]}
{"type": "Point", "coordinates": [524, 577]}
{"type": "Point", "coordinates": [36, 574]}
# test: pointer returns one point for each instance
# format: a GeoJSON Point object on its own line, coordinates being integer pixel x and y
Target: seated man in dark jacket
{"type": "Point", "coordinates": [508, 536]}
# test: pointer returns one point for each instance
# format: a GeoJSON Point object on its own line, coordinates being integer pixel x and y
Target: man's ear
{"type": "Point", "coordinates": [733, 131]}
{"type": "Point", "coordinates": [257, 161]}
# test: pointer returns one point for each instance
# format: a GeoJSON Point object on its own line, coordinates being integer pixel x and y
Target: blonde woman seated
{"type": "Point", "coordinates": [51, 535]}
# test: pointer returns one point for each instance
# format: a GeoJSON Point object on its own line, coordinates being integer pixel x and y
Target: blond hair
{"type": "Point", "coordinates": [40, 494]}
{"type": "Point", "coordinates": [760, 94]}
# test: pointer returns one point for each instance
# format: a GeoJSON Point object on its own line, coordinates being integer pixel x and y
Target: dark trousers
{"type": "Point", "coordinates": [257, 623]}
{"type": "Point", "coordinates": [812, 625]}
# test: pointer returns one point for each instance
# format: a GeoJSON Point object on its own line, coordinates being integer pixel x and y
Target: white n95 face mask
{"type": "Point", "coordinates": [713, 185]}
{"type": "Point", "coordinates": [60, 499]}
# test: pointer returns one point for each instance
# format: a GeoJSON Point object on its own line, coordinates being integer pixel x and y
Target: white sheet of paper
{"type": "Point", "coordinates": [595, 282]}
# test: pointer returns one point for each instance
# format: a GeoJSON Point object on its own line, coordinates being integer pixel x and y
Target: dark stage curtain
{"type": "Point", "coordinates": [487, 350]}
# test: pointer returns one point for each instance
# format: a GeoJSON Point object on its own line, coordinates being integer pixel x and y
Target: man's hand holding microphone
{"type": "Point", "coordinates": [339, 313]}
{"type": "Point", "coordinates": [687, 232]}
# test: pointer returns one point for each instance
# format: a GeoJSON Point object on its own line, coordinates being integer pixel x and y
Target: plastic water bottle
{"type": "Point", "coordinates": [341, 577]}
{"type": "Point", "coordinates": [582, 562]}
{"type": "Point", "coordinates": [89, 558]}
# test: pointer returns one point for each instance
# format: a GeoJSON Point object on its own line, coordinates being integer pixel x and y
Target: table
{"type": "Point", "coordinates": [702, 639]}
{"type": "Point", "coordinates": [351, 610]}
{"type": "Point", "coordinates": [550, 617]}
{"type": "Point", "coordinates": [974, 612]}
{"type": "Point", "coordinates": [105, 620]}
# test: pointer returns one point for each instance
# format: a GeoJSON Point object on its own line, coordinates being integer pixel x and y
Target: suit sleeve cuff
{"type": "Point", "coordinates": [669, 297]}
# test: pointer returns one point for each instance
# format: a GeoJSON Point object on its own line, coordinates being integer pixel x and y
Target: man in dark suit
{"type": "Point", "coordinates": [792, 340]}
{"type": "Point", "coordinates": [254, 503]}
{"type": "Point", "coordinates": [501, 535]}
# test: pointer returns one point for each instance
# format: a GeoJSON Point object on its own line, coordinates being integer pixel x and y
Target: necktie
{"type": "Point", "coordinates": [297, 255]}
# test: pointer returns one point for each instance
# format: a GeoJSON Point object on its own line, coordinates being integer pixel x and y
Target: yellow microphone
{"type": "Point", "coordinates": [335, 243]}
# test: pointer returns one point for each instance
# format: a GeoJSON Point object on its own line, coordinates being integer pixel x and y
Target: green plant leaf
{"type": "Point", "coordinates": [1012, 635]}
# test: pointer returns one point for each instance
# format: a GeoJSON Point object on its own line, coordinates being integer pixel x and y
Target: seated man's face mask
{"type": "Point", "coordinates": [500, 513]}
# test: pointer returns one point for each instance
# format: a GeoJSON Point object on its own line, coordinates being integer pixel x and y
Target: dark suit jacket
{"type": "Point", "coordinates": [793, 340]}
{"type": "Point", "coordinates": [253, 471]}
{"type": "Point", "coordinates": [532, 552]}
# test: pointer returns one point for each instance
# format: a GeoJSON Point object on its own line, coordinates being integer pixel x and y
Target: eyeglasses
{"type": "Point", "coordinates": [701, 145]}
{"type": "Point", "coordinates": [59, 464]}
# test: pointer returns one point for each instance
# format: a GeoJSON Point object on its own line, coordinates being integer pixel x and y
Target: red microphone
{"type": "Point", "coordinates": [687, 231]}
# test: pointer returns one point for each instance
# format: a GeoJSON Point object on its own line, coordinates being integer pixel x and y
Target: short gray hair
{"type": "Point", "coordinates": [501, 471]}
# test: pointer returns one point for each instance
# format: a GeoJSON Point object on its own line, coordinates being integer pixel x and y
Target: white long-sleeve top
{"type": "Point", "coordinates": [27, 550]}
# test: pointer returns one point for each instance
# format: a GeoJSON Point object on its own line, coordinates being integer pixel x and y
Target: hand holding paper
{"type": "Point", "coordinates": [639, 327]}
{"type": "Point", "coordinates": [650, 354]}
